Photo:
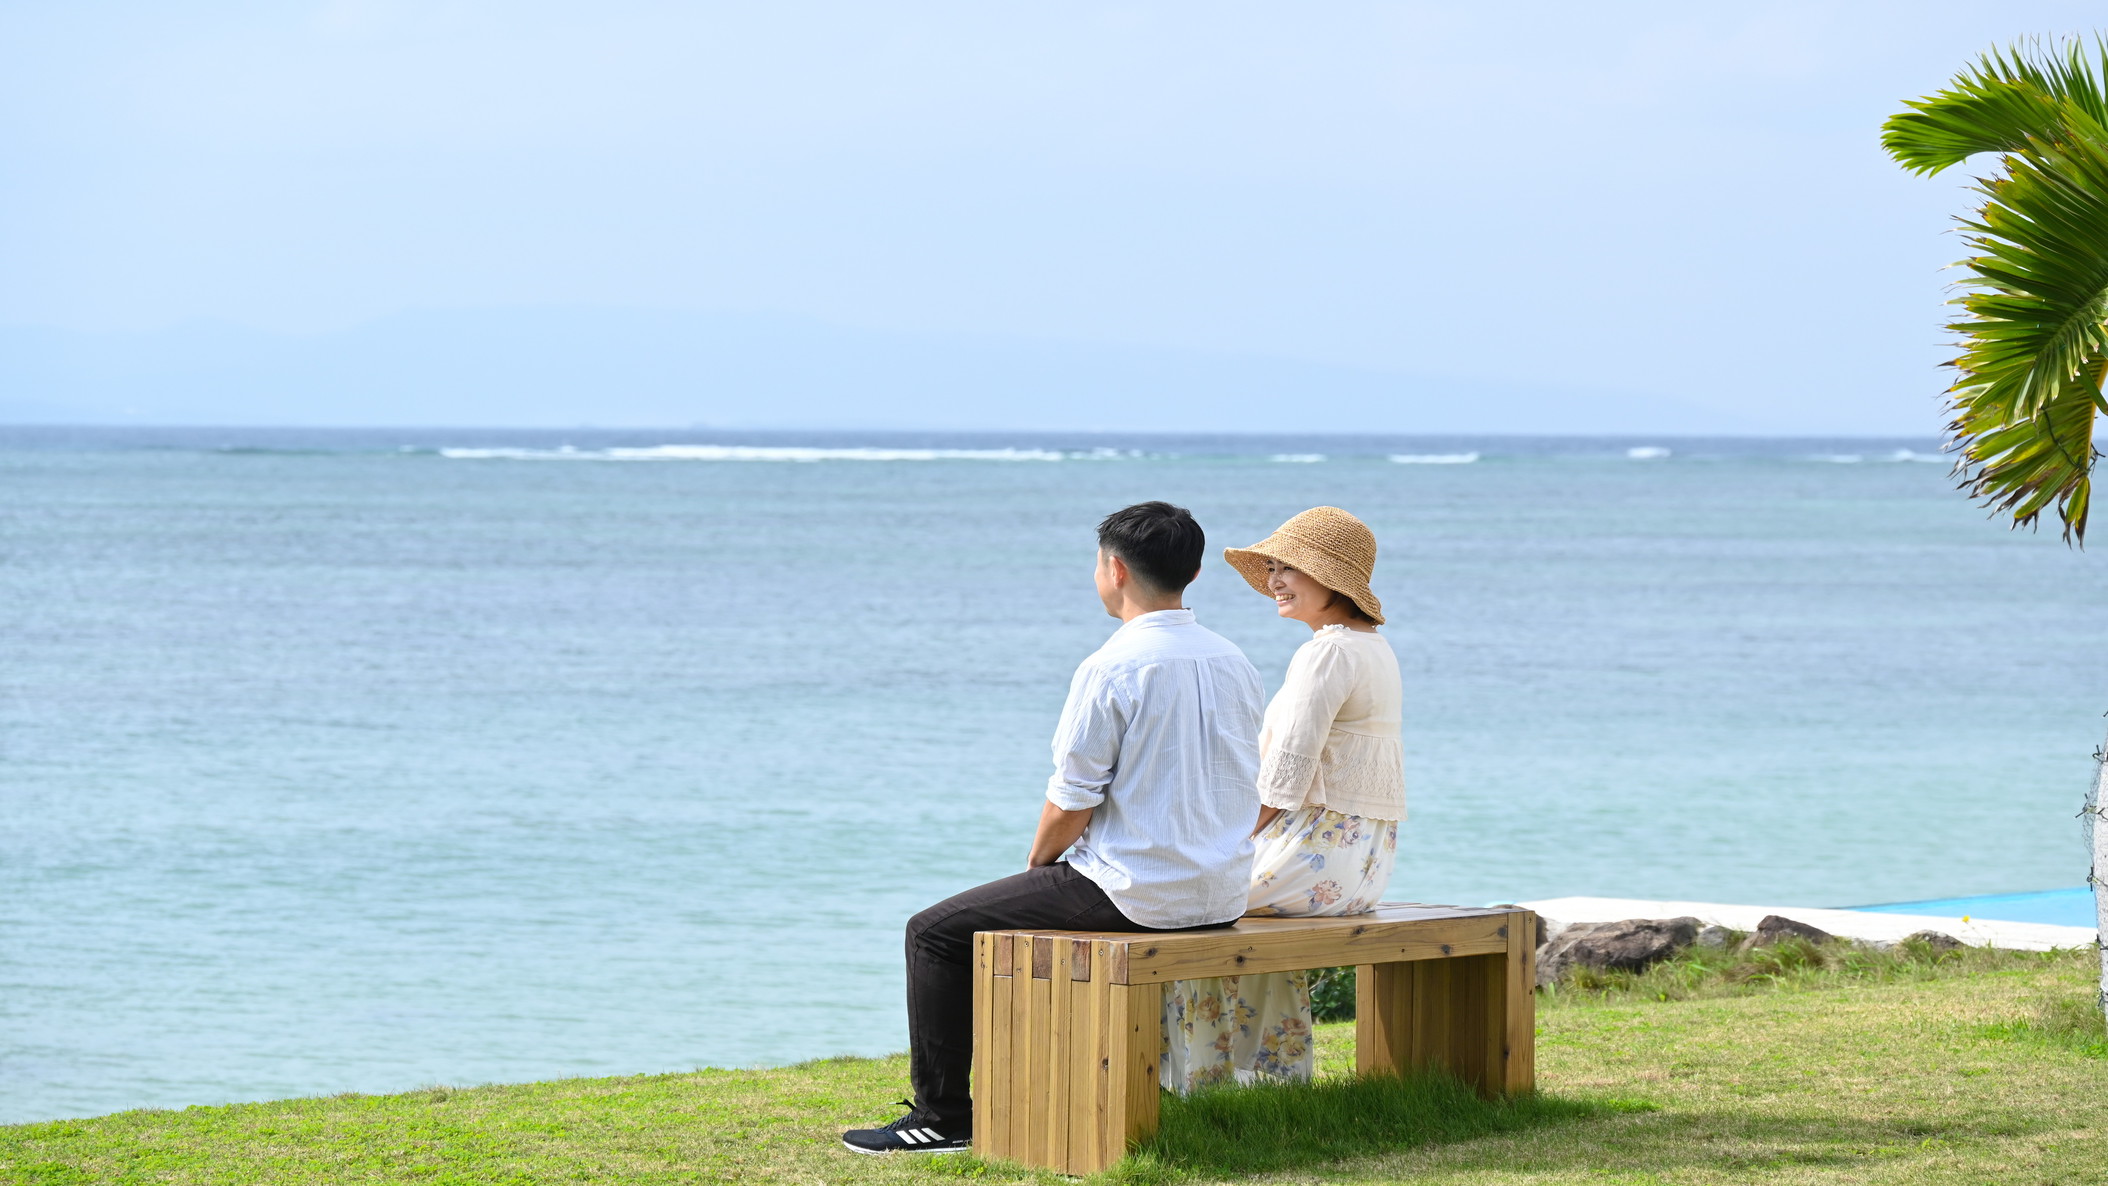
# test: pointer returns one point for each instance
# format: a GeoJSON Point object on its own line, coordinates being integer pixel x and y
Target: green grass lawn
{"type": "Point", "coordinates": [1983, 1068]}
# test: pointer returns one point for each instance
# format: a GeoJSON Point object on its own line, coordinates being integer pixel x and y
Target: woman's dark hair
{"type": "Point", "coordinates": [1352, 607]}
{"type": "Point", "coordinates": [1160, 543]}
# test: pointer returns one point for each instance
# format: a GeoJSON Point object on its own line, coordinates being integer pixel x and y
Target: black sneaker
{"type": "Point", "coordinates": [912, 1133]}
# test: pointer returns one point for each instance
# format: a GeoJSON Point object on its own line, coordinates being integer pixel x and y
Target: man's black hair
{"type": "Point", "coordinates": [1161, 543]}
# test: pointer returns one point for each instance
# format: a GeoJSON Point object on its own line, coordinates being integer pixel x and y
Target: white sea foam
{"type": "Point", "coordinates": [782, 453]}
{"type": "Point", "coordinates": [1646, 453]}
{"type": "Point", "coordinates": [506, 454]}
{"type": "Point", "coordinates": [749, 453]}
{"type": "Point", "coordinates": [1913, 455]}
{"type": "Point", "coordinates": [1434, 458]}
{"type": "Point", "coordinates": [1838, 458]}
{"type": "Point", "coordinates": [1299, 458]}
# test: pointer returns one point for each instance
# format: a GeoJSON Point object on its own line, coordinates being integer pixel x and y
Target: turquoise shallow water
{"type": "Point", "coordinates": [2064, 908]}
{"type": "Point", "coordinates": [335, 761]}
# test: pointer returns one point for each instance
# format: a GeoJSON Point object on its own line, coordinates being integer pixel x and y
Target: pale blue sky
{"type": "Point", "coordinates": [1667, 200]}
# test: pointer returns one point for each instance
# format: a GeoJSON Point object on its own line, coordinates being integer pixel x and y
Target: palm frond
{"type": "Point", "coordinates": [2023, 467]}
{"type": "Point", "coordinates": [2007, 99]}
{"type": "Point", "coordinates": [2034, 337]}
{"type": "Point", "coordinates": [2034, 329]}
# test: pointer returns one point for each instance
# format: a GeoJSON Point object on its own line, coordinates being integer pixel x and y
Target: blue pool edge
{"type": "Point", "coordinates": [2058, 907]}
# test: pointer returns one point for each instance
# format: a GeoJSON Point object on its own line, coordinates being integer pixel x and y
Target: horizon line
{"type": "Point", "coordinates": [1502, 434]}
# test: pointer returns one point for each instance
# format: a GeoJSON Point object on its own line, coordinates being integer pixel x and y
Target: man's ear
{"type": "Point", "coordinates": [1117, 568]}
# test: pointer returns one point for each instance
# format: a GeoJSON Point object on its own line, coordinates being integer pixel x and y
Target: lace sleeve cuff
{"type": "Point", "coordinates": [1285, 779]}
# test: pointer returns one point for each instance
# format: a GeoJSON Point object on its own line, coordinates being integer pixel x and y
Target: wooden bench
{"type": "Point", "coordinates": [1067, 1023]}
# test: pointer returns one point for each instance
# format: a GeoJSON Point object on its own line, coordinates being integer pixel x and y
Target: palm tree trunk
{"type": "Point", "coordinates": [2097, 877]}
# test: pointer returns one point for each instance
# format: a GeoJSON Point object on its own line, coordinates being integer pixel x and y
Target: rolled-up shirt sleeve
{"type": "Point", "coordinates": [1087, 742]}
{"type": "Point", "coordinates": [1318, 682]}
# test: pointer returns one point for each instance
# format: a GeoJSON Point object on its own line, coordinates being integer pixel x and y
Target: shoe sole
{"type": "Point", "coordinates": [884, 1152]}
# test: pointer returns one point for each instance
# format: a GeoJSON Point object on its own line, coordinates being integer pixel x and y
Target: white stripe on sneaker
{"type": "Point", "coordinates": [911, 1136]}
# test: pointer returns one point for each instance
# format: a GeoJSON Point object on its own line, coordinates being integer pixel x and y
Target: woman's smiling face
{"type": "Point", "coordinates": [1298, 595]}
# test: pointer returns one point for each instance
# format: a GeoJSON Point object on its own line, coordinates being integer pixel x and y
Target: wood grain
{"type": "Point", "coordinates": [1245, 950]}
{"type": "Point", "coordinates": [992, 1123]}
{"type": "Point", "coordinates": [1106, 1133]}
{"type": "Point", "coordinates": [1017, 1134]}
{"type": "Point", "coordinates": [1519, 1017]}
{"type": "Point", "coordinates": [1039, 1060]}
{"type": "Point", "coordinates": [1081, 1106]}
{"type": "Point", "coordinates": [983, 1033]}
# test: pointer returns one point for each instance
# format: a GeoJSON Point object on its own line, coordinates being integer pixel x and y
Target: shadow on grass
{"type": "Point", "coordinates": [1232, 1131]}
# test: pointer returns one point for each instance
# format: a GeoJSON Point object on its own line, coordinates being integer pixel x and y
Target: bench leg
{"type": "Point", "coordinates": [1116, 1038]}
{"type": "Point", "coordinates": [1136, 1032]}
{"type": "Point", "coordinates": [991, 1044]}
{"type": "Point", "coordinates": [1475, 1016]}
{"type": "Point", "coordinates": [1065, 1069]}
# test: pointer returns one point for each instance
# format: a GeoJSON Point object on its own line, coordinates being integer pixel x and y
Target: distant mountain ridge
{"type": "Point", "coordinates": [569, 367]}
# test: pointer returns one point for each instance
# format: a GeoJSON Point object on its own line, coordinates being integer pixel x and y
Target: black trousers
{"type": "Point", "coordinates": [940, 970]}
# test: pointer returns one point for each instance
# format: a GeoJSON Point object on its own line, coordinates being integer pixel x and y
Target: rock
{"type": "Point", "coordinates": [1776, 927]}
{"type": "Point", "coordinates": [1550, 931]}
{"type": "Point", "coordinates": [1713, 935]}
{"type": "Point", "coordinates": [1632, 945]}
{"type": "Point", "coordinates": [1939, 941]}
{"type": "Point", "coordinates": [1551, 954]}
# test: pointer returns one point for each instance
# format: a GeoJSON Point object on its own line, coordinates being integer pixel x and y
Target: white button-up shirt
{"type": "Point", "coordinates": [1161, 737]}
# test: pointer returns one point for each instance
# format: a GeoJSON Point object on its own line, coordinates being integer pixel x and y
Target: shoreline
{"type": "Point", "coordinates": [1878, 928]}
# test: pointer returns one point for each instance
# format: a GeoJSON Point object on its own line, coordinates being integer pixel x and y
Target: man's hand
{"type": "Point", "coordinates": [1057, 830]}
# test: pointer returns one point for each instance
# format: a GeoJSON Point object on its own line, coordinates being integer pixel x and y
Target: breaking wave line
{"type": "Point", "coordinates": [1434, 458]}
{"type": "Point", "coordinates": [749, 453]}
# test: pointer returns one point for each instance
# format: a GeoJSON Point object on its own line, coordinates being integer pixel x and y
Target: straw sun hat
{"type": "Point", "coordinates": [1335, 548]}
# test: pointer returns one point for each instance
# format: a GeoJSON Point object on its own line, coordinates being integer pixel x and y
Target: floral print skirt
{"type": "Point", "coordinates": [1312, 861]}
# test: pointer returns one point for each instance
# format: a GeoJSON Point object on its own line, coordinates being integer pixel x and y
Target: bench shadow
{"type": "Point", "coordinates": [1336, 1122]}
{"type": "Point", "coordinates": [1231, 1132]}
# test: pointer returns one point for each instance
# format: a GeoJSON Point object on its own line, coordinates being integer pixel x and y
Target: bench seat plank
{"type": "Point", "coordinates": [1389, 933]}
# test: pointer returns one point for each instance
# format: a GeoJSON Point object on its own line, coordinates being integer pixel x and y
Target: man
{"type": "Point", "coordinates": [1153, 798]}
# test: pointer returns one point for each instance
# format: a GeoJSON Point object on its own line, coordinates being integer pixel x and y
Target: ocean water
{"type": "Point", "coordinates": [360, 761]}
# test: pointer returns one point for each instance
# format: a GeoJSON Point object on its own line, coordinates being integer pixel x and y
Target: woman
{"type": "Point", "coordinates": [1331, 793]}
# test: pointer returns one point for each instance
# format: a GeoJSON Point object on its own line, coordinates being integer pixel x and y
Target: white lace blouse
{"type": "Point", "coordinates": [1331, 733]}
